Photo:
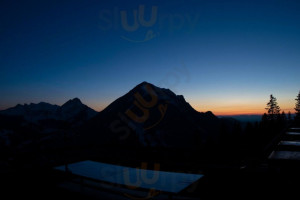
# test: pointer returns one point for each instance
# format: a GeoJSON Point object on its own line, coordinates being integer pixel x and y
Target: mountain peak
{"type": "Point", "coordinates": [151, 116]}
{"type": "Point", "coordinates": [73, 111]}
{"type": "Point", "coordinates": [75, 101]}
{"type": "Point", "coordinates": [142, 84]}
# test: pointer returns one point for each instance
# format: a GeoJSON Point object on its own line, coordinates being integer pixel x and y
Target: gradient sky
{"type": "Point", "coordinates": [223, 56]}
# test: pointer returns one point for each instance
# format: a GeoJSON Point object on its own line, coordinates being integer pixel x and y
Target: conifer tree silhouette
{"type": "Point", "coordinates": [289, 116]}
{"type": "Point", "coordinates": [297, 107]}
{"type": "Point", "coordinates": [273, 108]}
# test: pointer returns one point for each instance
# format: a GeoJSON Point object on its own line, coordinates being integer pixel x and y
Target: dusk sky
{"type": "Point", "coordinates": [223, 56]}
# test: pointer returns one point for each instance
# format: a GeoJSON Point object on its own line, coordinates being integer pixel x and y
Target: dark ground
{"type": "Point", "coordinates": [264, 181]}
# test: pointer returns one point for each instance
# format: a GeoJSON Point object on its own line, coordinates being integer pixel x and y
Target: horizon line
{"type": "Point", "coordinates": [216, 113]}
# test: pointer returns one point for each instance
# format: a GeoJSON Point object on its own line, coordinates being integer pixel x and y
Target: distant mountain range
{"type": "Point", "coordinates": [244, 118]}
{"type": "Point", "coordinates": [25, 126]}
{"type": "Point", "coordinates": [72, 111]}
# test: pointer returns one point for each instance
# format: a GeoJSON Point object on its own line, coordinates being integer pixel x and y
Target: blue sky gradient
{"type": "Point", "coordinates": [223, 56]}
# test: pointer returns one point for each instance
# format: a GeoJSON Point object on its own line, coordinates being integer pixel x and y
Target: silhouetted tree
{"type": "Point", "coordinates": [289, 116]}
{"type": "Point", "coordinates": [283, 119]}
{"type": "Point", "coordinates": [264, 118]}
{"type": "Point", "coordinates": [297, 107]}
{"type": "Point", "coordinates": [273, 108]}
{"type": "Point", "coordinates": [283, 116]}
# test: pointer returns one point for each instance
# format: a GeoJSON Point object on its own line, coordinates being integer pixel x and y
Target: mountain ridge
{"type": "Point", "coordinates": [34, 112]}
{"type": "Point", "coordinates": [151, 116]}
{"type": "Point", "coordinates": [145, 122]}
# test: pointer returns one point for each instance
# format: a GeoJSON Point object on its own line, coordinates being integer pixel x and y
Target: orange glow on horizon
{"type": "Point", "coordinates": [240, 110]}
{"type": "Point", "coordinates": [239, 104]}
{"type": "Point", "coordinates": [222, 111]}
{"type": "Point", "coordinates": [228, 108]}
{"type": "Point", "coordinates": [237, 112]}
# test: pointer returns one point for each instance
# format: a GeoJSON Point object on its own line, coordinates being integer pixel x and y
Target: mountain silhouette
{"type": "Point", "coordinates": [43, 124]}
{"type": "Point", "coordinates": [148, 122]}
{"type": "Point", "coordinates": [73, 111]}
{"type": "Point", "coordinates": [151, 116]}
